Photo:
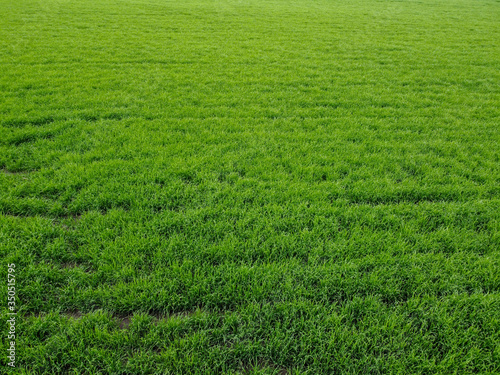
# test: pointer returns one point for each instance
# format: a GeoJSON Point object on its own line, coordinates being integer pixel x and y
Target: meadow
{"type": "Point", "coordinates": [251, 186]}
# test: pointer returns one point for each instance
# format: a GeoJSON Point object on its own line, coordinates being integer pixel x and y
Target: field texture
{"type": "Point", "coordinates": [251, 187]}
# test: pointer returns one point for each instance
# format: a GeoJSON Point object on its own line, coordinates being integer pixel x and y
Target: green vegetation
{"type": "Point", "coordinates": [251, 187]}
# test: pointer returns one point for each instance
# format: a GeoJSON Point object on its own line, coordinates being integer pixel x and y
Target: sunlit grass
{"type": "Point", "coordinates": [265, 187]}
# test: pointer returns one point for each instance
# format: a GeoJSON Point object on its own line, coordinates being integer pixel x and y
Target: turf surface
{"type": "Point", "coordinates": [253, 187]}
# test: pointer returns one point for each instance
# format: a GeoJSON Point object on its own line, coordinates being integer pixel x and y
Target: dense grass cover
{"type": "Point", "coordinates": [251, 187]}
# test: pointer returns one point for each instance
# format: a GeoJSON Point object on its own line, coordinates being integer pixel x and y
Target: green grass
{"type": "Point", "coordinates": [251, 187]}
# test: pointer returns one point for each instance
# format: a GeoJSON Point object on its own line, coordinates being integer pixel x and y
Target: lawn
{"type": "Point", "coordinates": [251, 186]}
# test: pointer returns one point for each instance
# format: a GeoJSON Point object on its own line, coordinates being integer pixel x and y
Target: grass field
{"type": "Point", "coordinates": [251, 187]}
